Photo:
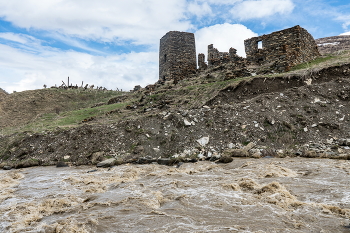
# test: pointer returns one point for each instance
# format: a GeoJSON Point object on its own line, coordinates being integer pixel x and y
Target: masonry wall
{"type": "Point", "coordinates": [177, 56]}
{"type": "Point", "coordinates": [282, 49]}
{"type": "Point", "coordinates": [215, 57]}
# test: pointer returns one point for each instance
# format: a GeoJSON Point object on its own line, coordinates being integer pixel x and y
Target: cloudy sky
{"type": "Point", "coordinates": [114, 43]}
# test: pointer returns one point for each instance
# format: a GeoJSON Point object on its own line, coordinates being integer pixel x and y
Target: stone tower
{"type": "Point", "coordinates": [177, 56]}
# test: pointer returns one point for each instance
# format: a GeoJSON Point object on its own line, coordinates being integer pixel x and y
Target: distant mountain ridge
{"type": "Point", "coordinates": [328, 45]}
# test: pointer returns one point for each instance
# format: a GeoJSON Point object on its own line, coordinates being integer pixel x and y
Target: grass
{"type": "Point", "coordinates": [68, 119]}
{"type": "Point", "coordinates": [312, 63]}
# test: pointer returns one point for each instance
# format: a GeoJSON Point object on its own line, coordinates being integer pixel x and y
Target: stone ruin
{"type": "Point", "coordinates": [177, 56]}
{"type": "Point", "coordinates": [279, 51]}
{"type": "Point", "coordinates": [329, 45]}
{"type": "Point", "coordinates": [282, 50]}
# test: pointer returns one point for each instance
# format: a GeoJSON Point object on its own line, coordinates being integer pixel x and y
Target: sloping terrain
{"type": "Point", "coordinates": [305, 112]}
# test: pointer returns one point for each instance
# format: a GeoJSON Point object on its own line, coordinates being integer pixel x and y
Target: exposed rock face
{"type": "Point", "coordinates": [177, 56]}
{"type": "Point", "coordinates": [282, 49]}
{"type": "Point", "coordinates": [333, 44]}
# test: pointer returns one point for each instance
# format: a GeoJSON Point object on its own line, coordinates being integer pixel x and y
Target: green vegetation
{"type": "Point", "coordinates": [312, 63]}
{"type": "Point", "coordinates": [51, 121]}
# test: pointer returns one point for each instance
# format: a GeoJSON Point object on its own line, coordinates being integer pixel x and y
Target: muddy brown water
{"type": "Point", "coordinates": [247, 195]}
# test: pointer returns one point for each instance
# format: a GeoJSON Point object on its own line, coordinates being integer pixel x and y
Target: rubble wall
{"type": "Point", "coordinates": [282, 49]}
{"type": "Point", "coordinates": [216, 58]}
{"type": "Point", "coordinates": [177, 56]}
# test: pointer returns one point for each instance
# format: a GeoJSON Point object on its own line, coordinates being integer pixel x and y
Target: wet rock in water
{"type": "Point", "coordinates": [106, 163]}
{"type": "Point", "coordinates": [6, 167]}
{"type": "Point", "coordinates": [95, 170]}
{"type": "Point", "coordinates": [179, 164]}
{"type": "Point", "coordinates": [225, 159]}
{"type": "Point", "coordinates": [61, 164]}
{"type": "Point", "coordinates": [165, 161]}
{"type": "Point", "coordinates": [146, 160]}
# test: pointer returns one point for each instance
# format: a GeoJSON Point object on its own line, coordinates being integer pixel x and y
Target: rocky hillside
{"type": "Point", "coordinates": [333, 44]}
{"type": "Point", "coordinates": [213, 116]}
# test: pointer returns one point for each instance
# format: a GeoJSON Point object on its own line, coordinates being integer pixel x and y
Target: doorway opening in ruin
{"type": "Point", "coordinates": [260, 44]}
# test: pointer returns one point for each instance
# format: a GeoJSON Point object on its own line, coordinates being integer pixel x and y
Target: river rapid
{"type": "Point", "coordinates": [247, 195]}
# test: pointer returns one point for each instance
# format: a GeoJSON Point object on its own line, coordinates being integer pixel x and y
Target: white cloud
{"type": "Point", "coordinates": [142, 21]}
{"type": "Point", "coordinates": [254, 9]}
{"type": "Point", "coordinates": [19, 38]}
{"type": "Point", "coordinates": [345, 34]}
{"type": "Point", "coordinates": [221, 2]}
{"type": "Point", "coordinates": [199, 10]}
{"type": "Point", "coordinates": [223, 37]}
{"type": "Point", "coordinates": [20, 70]}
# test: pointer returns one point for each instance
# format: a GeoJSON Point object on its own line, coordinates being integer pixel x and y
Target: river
{"type": "Point", "coordinates": [247, 195]}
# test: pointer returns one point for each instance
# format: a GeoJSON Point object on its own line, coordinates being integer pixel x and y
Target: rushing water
{"type": "Point", "coordinates": [247, 195]}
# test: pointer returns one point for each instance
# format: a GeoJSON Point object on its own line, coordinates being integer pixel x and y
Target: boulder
{"type": "Point", "coordinates": [107, 163]}
{"type": "Point", "coordinates": [165, 161]}
{"type": "Point", "coordinates": [61, 164]}
{"type": "Point", "coordinates": [225, 159]}
{"type": "Point", "coordinates": [6, 167]}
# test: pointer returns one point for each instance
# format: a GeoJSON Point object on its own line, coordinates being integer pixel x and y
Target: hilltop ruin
{"type": "Point", "coordinates": [279, 51]}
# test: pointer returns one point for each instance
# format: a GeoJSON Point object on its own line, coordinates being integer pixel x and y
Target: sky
{"type": "Point", "coordinates": [115, 43]}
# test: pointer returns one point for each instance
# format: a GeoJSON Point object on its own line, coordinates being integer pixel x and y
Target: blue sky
{"type": "Point", "coordinates": [114, 43]}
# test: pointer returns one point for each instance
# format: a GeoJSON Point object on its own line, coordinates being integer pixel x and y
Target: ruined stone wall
{"type": "Point", "coordinates": [329, 45]}
{"type": "Point", "coordinates": [216, 58]}
{"type": "Point", "coordinates": [177, 56]}
{"type": "Point", "coordinates": [201, 62]}
{"type": "Point", "coordinates": [282, 49]}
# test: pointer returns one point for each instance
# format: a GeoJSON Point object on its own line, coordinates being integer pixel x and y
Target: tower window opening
{"type": "Point", "coordinates": [260, 44]}
{"type": "Point", "coordinates": [164, 57]}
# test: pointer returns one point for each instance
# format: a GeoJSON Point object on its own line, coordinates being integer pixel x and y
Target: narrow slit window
{"type": "Point", "coordinates": [164, 57]}
{"type": "Point", "coordinates": [260, 45]}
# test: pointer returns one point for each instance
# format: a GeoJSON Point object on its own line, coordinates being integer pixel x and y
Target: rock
{"type": "Point", "coordinates": [146, 160]}
{"type": "Point", "coordinates": [156, 150]}
{"type": "Point", "coordinates": [107, 163]}
{"type": "Point", "coordinates": [236, 153]}
{"type": "Point", "coordinates": [250, 146]}
{"type": "Point", "coordinates": [7, 167]}
{"type": "Point", "coordinates": [61, 164]}
{"type": "Point", "coordinates": [298, 153]}
{"type": "Point", "coordinates": [225, 159]}
{"type": "Point", "coordinates": [203, 141]}
{"type": "Point", "coordinates": [96, 157]}
{"type": "Point", "coordinates": [95, 170]}
{"type": "Point", "coordinates": [187, 123]}
{"type": "Point", "coordinates": [119, 161]}
{"type": "Point", "coordinates": [165, 161]}
{"type": "Point", "coordinates": [310, 154]}
{"type": "Point", "coordinates": [345, 142]}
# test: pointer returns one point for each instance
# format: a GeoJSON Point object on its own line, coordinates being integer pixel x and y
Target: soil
{"type": "Point", "coordinates": [282, 115]}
